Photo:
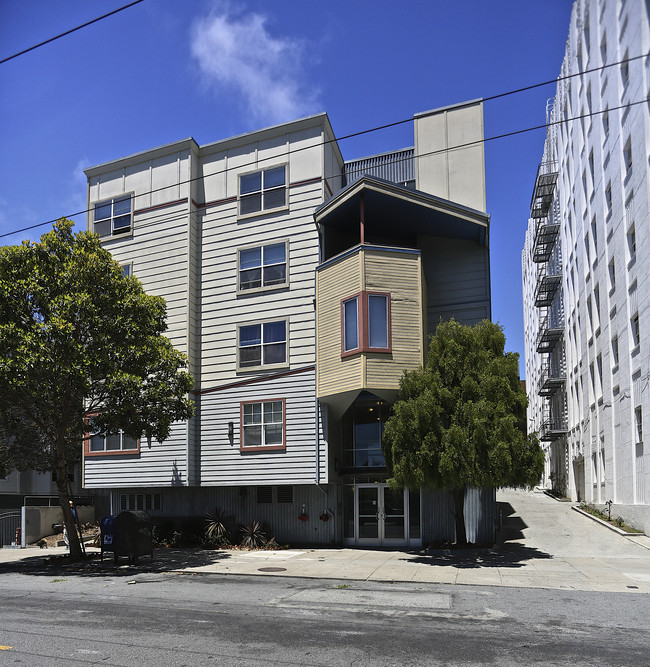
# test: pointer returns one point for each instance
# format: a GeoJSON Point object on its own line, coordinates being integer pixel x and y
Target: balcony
{"type": "Point", "coordinates": [552, 379]}
{"type": "Point", "coordinates": [553, 429]}
{"type": "Point", "coordinates": [543, 194]}
{"type": "Point", "coordinates": [547, 286]}
{"type": "Point", "coordinates": [550, 332]}
{"type": "Point", "coordinates": [545, 237]}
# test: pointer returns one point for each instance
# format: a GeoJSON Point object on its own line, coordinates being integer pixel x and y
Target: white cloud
{"type": "Point", "coordinates": [239, 52]}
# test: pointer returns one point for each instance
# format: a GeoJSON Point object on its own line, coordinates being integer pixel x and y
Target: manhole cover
{"type": "Point", "coordinates": [272, 569]}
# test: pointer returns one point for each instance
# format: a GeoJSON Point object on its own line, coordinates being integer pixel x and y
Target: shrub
{"type": "Point", "coordinates": [216, 531]}
{"type": "Point", "coordinates": [253, 535]}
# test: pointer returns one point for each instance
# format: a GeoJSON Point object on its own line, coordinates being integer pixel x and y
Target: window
{"type": "Point", "coordinates": [351, 324]}
{"type": "Point", "coordinates": [625, 70]}
{"type": "Point", "coordinates": [631, 242]}
{"type": "Point", "coordinates": [127, 269]}
{"type": "Point", "coordinates": [599, 368]}
{"type": "Point", "coordinates": [140, 501]}
{"type": "Point", "coordinates": [636, 333]}
{"type": "Point", "coordinates": [112, 216]}
{"type": "Point", "coordinates": [112, 443]}
{"type": "Point", "coordinates": [262, 266]}
{"type": "Point", "coordinates": [262, 425]}
{"type": "Point", "coordinates": [263, 344]}
{"type": "Point", "coordinates": [363, 426]}
{"type": "Point", "coordinates": [262, 190]}
{"type": "Point", "coordinates": [627, 158]}
{"type": "Point", "coordinates": [605, 123]}
{"type": "Point", "coordinates": [365, 323]}
{"type": "Point", "coordinates": [612, 276]}
{"type": "Point", "coordinates": [638, 423]}
{"type": "Point", "coordinates": [594, 236]}
{"type": "Point", "coordinates": [602, 465]}
{"type": "Point", "coordinates": [608, 199]}
{"type": "Point", "coordinates": [615, 351]}
{"type": "Point", "coordinates": [264, 495]}
{"type": "Point", "coordinates": [597, 305]}
{"type": "Point", "coordinates": [603, 50]}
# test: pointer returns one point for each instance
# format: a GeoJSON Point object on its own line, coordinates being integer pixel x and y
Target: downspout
{"type": "Point", "coordinates": [316, 424]}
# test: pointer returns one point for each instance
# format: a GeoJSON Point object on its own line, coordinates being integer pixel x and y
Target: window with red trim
{"type": "Point", "coordinates": [365, 323]}
{"type": "Point", "coordinates": [98, 444]}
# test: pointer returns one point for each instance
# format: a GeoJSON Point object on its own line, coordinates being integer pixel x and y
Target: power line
{"type": "Point", "coordinates": [69, 32]}
{"type": "Point", "coordinates": [436, 152]}
{"type": "Point", "coordinates": [393, 124]}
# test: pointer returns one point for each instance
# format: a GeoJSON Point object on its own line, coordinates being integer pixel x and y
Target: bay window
{"type": "Point", "coordinates": [365, 323]}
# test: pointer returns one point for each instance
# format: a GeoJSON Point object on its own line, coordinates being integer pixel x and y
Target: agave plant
{"type": "Point", "coordinates": [215, 528]}
{"type": "Point", "coordinates": [253, 535]}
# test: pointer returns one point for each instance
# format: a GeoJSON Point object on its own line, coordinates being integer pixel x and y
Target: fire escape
{"type": "Point", "coordinates": [548, 298]}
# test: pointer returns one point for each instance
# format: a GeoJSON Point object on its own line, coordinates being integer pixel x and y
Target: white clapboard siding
{"type": "Point", "coordinates": [222, 309]}
{"type": "Point", "coordinates": [157, 464]}
{"type": "Point", "coordinates": [222, 462]}
{"type": "Point", "coordinates": [184, 248]}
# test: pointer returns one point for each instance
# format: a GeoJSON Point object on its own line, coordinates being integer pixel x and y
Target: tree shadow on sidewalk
{"type": "Point", "coordinates": [509, 549]}
{"type": "Point", "coordinates": [164, 560]}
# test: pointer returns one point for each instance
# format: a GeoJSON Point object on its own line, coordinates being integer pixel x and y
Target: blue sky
{"type": "Point", "coordinates": [164, 70]}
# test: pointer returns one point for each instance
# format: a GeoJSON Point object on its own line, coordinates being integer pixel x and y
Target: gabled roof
{"type": "Point", "coordinates": [388, 206]}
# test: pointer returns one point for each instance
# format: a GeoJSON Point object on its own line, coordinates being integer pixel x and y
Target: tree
{"type": "Point", "coordinates": [460, 420]}
{"type": "Point", "coordinates": [82, 351]}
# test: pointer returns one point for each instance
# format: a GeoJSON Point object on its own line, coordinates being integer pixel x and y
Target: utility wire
{"type": "Point", "coordinates": [393, 124]}
{"type": "Point", "coordinates": [436, 152]}
{"type": "Point", "coordinates": [69, 32]}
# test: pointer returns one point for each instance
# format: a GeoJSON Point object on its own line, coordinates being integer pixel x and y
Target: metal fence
{"type": "Point", "coordinates": [9, 522]}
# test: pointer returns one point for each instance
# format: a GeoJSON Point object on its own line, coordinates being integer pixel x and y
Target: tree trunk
{"type": "Point", "coordinates": [76, 552]}
{"type": "Point", "coordinates": [459, 515]}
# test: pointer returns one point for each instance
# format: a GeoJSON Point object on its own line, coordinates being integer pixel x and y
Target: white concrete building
{"type": "Point", "coordinates": [585, 265]}
{"type": "Point", "coordinates": [300, 287]}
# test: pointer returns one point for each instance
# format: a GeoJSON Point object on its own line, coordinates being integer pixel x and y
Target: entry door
{"type": "Point", "coordinates": [381, 519]}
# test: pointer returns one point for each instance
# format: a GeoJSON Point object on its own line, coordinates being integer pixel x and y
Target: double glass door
{"type": "Point", "coordinates": [381, 516]}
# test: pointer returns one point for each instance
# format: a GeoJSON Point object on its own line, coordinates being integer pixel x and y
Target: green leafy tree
{"type": "Point", "coordinates": [81, 350]}
{"type": "Point", "coordinates": [460, 420]}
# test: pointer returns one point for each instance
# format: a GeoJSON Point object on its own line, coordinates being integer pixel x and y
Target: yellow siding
{"type": "Point", "coordinates": [399, 274]}
{"type": "Point", "coordinates": [333, 283]}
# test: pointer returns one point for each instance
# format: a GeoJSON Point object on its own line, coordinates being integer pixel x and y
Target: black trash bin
{"type": "Point", "coordinates": [127, 534]}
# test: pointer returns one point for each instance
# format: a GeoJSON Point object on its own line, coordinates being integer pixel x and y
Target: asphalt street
{"type": "Point", "coordinates": [180, 619]}
{"type": "Point", "coordinates": [557, 589]}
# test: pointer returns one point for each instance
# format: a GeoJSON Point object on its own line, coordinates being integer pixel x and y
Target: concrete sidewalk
{"type": "Point", "coordinates": [543, 544]}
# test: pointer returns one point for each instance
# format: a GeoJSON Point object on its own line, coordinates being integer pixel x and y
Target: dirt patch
{"type": "Point", "coordinates": [89, 531]}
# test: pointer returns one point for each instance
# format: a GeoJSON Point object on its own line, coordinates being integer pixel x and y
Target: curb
{"type": "Point", "coordinates": [559, 500]}
{"type": "Point", "coordinates": [615, 529]}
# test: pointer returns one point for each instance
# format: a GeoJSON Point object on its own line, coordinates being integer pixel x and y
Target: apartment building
{"type": "Point", "coordinates": [585, 265]}
{"type": "Point", "coordinates": [300, 287]}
